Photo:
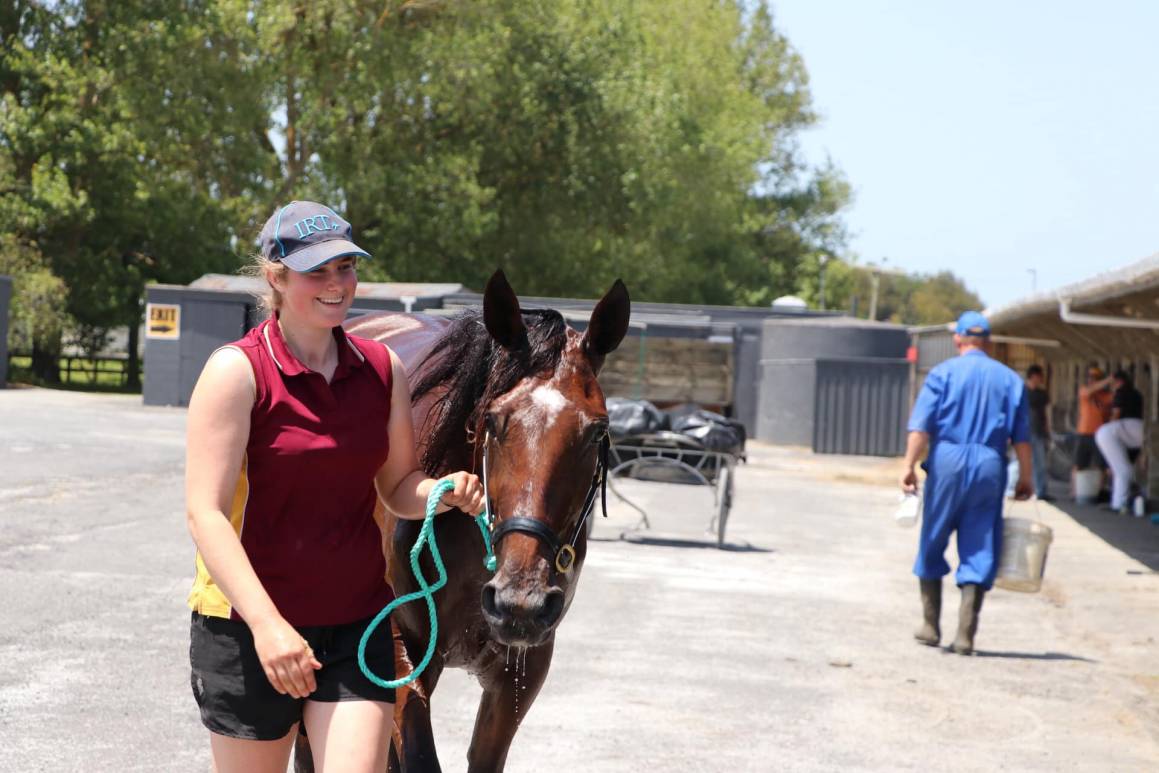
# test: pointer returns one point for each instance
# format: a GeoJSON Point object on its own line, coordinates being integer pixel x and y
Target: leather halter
{"type": "Point", "coordinates": [563, 554]}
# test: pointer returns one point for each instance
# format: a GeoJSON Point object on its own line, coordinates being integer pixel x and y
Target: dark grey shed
{"type": "Point", "coordinates": [838, 385]}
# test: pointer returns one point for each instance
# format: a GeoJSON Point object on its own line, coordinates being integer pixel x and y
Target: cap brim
{"type": "Point", "coordinates": [309, 258]}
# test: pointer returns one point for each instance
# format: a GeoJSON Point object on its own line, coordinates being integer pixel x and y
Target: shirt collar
{"type": "Point", "coordinates": [348, 355]}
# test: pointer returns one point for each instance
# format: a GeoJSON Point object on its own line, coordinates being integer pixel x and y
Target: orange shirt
{"type": "Point", "coordinates": [1093, 412]}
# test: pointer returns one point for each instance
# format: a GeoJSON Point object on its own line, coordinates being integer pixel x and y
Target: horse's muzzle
{"type": "Point", "coordinates": [520, 618]}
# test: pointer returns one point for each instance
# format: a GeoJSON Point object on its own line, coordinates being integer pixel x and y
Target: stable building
{"type": "Point", "coordinates": [1110, 319]}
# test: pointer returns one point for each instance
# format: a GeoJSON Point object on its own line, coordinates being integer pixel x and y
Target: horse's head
{"type": "Point", "coordinates": [543, 440]}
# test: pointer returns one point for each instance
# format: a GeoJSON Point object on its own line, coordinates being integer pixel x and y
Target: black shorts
{"type": "Point", "coordinates": [1087, 454]}
{"type": "Point", "coordinates": [237, 700]}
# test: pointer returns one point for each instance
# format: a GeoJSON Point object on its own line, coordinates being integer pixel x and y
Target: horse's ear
{"type": "Point", "coordinates": [608, 324]}
{"type": "Point", "coordinates": [501, 313]}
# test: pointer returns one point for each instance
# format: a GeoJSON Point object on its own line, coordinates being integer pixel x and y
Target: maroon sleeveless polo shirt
{"type": "Point", "coordinates": [305, 498]}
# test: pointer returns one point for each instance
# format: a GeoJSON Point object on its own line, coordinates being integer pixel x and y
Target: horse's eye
{"type": "Point", "coordinates": [491, 425]}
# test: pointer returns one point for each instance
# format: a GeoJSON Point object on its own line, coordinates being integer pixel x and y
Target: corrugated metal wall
{"type": "Point", "coordinates": [861, 406]}
{"type": "Point", "coordinates": [933, 349]}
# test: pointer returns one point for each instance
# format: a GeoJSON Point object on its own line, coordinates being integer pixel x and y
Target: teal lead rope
{"type": "Point", "coordinates": [426, 591]}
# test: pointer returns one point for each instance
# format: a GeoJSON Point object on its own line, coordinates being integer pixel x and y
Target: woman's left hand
{"type": "Point", "coordinates": [467, 495]}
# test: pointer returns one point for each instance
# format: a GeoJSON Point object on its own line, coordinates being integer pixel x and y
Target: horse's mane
{"type": "Point", "coordinates": [469, 370]}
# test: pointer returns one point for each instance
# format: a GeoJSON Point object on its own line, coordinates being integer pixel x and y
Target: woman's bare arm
{"type": "Point", "coordinates": [402, 484]}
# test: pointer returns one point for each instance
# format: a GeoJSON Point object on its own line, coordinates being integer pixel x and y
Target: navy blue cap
{"type": "Point", "coordinates": [304, 234]}
{"type": "Point", "coordinates": [972, 323]}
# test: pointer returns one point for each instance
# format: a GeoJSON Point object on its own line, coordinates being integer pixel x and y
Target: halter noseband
{"type": "Point", "coordinates": [563, 554]}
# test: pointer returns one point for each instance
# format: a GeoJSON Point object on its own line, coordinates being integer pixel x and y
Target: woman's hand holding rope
{"type": "Point", "coordinates": [467, 495]}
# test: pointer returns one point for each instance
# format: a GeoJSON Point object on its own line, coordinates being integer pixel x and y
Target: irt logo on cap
{"type": "Point", "coordinates": [304, 235]}
{"type": "Point", "coordinates": [309, 225]}
{"type": "Point", "coordinates": [972, 323]}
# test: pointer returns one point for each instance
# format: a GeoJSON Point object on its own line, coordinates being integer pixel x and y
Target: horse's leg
{"type": "Point", "coordinates": [507, 697]}
{"type": "Point", "coordinates": [303, 757]}
{"type": "Point", "coordinates": [414, 739]}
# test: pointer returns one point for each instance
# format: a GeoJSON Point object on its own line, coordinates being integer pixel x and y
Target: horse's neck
{"type": "Point", "coordinates": [411, 337]}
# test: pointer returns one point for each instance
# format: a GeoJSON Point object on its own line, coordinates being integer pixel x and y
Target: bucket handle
{"type": "Point", "coordinates": [1037, 513]}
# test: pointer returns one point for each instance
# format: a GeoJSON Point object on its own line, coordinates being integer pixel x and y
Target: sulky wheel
{"type": "Point", "coordinates": [723, 500]}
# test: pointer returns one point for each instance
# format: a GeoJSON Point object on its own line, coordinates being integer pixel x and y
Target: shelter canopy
{"type": "Point", "coordinates": [1111, 316]}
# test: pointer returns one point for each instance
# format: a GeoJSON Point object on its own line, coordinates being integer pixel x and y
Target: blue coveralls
{"type": "Point", "coordinates": [971, 407]}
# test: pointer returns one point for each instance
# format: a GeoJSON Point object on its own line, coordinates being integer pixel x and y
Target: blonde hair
{"type": "Point", "coordinates": [269, 301]}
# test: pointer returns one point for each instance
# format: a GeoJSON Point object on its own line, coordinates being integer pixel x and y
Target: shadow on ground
{"type": "Point", "coordinates": [1137, 537]}
{"type": "Point", "coordinates": [657, 540]}
{"type": "Point", "coordinates": [1032, 656]}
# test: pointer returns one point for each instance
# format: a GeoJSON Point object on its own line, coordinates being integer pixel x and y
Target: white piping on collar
{"type": "Point", "coordinates": [274, 357]}
{"type": "Point", "coordinates": [270, 346]}
{"type": "Point", "coordinates": [361, 357]}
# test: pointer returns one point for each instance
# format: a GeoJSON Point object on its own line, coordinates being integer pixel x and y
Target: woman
{"type": "Point", "coordinates": [291, 430]}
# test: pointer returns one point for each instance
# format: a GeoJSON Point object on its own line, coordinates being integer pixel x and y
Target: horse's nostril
{"type": "Point", "coordinates": [490, 606]}
{"type": "Point", "coordinates": [552, 608]}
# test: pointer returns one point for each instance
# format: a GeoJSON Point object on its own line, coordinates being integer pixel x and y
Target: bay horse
{"type": "Point", "coordinates": [515, 389]}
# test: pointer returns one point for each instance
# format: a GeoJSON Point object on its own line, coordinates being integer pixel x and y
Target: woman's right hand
{"type": "Point", "coordinates": [287, 658]}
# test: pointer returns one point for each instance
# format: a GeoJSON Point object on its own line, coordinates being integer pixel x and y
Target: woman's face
{"type": "Point", "coordinates": [320, 297]}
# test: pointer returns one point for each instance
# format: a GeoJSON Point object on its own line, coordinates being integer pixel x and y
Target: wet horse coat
{"type": "Point", "coordinates": [523, 385]}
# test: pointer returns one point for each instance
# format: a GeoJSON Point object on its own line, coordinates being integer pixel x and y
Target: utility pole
{"type": "Point", "coordinates": [875, 282]}
{"type": "Point", "coordinates": [823, 260]}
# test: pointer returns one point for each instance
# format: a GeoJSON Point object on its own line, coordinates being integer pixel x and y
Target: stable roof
{"type": "Point", "coordinates": [1114, 314]}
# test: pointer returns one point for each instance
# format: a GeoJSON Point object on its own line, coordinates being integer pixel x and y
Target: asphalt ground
{"type": "Point", "coordinates": [791, 650]}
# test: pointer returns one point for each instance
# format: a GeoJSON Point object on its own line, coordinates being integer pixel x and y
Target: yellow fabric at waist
{"type": "Point", "coordinates": [206, 598]}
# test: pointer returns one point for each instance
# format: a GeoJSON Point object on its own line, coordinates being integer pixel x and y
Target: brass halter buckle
{"type": "Point", "coordinates": [565, 559]}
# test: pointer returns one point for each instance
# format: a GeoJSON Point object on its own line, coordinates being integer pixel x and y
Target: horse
{"type": "Point", "coordinates": [514, 391]}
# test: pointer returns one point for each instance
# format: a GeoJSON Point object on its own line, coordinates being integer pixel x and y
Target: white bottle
{"type": "Point", "coordinates": [1139, 506]}
{"type": "Point", "coordinates": [907, 511]}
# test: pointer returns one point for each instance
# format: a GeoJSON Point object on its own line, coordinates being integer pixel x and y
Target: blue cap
{"type": "Point", "coordinates": [972, 323]}
{"type": "Point", "coordinates": [304, 234]}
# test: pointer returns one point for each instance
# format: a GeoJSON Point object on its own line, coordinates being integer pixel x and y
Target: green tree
{"type": "Point", "coordinates": [146, 140]}
{"type": "Point", "coordinates": [133, 138]}
{"type": "Point", "coordinates": [904, 298]}
{"type": "Point", "coordinates": [569, 142]}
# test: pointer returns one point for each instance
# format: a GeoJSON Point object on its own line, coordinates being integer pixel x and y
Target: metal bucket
{"type": "Point", "coordinates": [1023, 561]}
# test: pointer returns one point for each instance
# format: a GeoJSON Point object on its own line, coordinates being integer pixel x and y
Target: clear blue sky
{"type": "Point", "coordinates": [989, 138]}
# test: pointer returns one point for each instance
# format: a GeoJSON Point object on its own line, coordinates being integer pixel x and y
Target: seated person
{"type": "Point", "coordinates": [1123, 434]}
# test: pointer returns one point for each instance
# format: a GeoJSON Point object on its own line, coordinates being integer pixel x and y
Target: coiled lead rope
{"type": "Point", "coordinates": [426, 591]}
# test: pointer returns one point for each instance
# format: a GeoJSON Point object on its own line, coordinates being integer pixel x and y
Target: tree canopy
{"type": "Point", "coordinates": [905, 298]}
{"type": "Point", "coordinates": [570, 143]}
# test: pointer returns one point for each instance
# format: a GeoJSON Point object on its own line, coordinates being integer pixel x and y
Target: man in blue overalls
{"type": "Point", "coordinates": [969, 409]}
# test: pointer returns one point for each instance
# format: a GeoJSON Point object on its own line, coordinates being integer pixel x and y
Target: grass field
{"type": "Point", "coordinates": [102, 374]}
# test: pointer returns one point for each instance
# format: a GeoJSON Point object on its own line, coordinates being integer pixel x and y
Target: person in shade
{"type": "Point", "coordinates": [295, 433]}
{"type": "Point", "coordinates": [1094, 409]}
{"type": "Point", "coordinates": [969, 410]}
{"type": "Point", "coordinates": [1123, 434]}
{"type": "Point", "coordinates": [1040, 434]}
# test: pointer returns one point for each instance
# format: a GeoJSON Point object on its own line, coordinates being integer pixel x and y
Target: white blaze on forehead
{"type": "Point", "coordinates": [550, 400]}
